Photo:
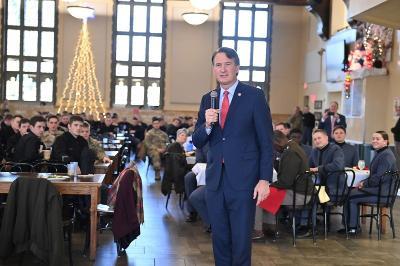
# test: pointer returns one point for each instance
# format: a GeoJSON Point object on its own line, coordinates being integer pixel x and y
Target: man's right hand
{"type": "Point", "coordinates": [211, 116]}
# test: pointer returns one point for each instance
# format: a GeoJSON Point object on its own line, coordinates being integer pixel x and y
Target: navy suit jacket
{"type": "Point", "coordinates": [327, 125]}
{"type": "Point", "coordinates": [244, 145]}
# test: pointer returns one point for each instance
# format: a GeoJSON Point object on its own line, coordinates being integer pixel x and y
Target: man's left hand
{"type": "Point", "coordinates": [261, 191]}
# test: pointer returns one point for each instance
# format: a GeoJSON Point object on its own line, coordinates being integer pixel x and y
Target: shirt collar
{"type": "Point", "coordinates": [231, 89]}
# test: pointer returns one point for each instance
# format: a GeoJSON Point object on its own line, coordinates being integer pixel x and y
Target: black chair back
{"type": "Point", "coordinates": [46, 167]}
{"type": "Point", "coordinates": [387, 197]}
{"type": "Point", "coordinates": [16, 167]}
{"type": "Point", "coordinates": [344, 180]}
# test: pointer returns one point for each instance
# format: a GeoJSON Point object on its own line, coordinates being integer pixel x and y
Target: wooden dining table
{"type": "Point", "coordinates": [89, 185]}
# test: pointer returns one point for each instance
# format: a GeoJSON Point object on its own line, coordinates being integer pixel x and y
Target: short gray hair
{"type": "Point", "coordinates": [182, 130]}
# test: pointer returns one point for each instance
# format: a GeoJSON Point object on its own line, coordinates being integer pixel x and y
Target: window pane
{"type": "Point", "coordinates": [244, 75]}
{"type": "Point", "coordinates": [229, 18]}
{"type": "Point", "coordinates": [154, 72]}
{"type": "Point", "coordinates": [229, 4]}
{"type": "Point", "coordinates": [155, 49]}
{"type": "Point", "coordinates": [30, 43]}
{"type": "Point", "coordinates": [121, 70]}
{"type": "Point", "coordinates": [13, 42]}
{"type": "Point", "coordinates": [261, 5]}
{"type": "Point", "coordinates": [153, 94]}
{"type": "Point", "coordinates": [243, 50]}
{"type": "Point", "coordinates": [156, 19]}
{"type": "Point", "coordinates": [138, 48]}
{"type": "Point", "coordinates": [142, 1]}
{"type": "Point", "coordinates": [245, 5]}
{"type": "Point", "coordinates": [228, 43]}
{"type": "Point", "coordinates": [48, 19]}
{"type": "Point", "coordinates": [29, 87]}
{"type": "Point", "coordinates": [12, 87]}
{"type": "Point", "coordinates": [46, 89]}
{"type": "Point", "coordinates": [14, 12]}
{"type": "Point", "coordinates": [47, 44]}
{"type": "Point", "coordinates": [138, 71]}
{"type": "Point", "coordinates": [121, 92]}
{"type": "Point", "coordinates": [261, 24]}
{"type": "Point", "coordinates": [139, 18]}
{"type": "Point", "coordinates": [137, 92]}
{"type": "Point", "coordinates": [157, 1]}
{"type": "Point", "coordinates": [258, 76]}
{"type": "Point", "coordinates": [259, 54]}
{"type": "Point", "coordinates": [122, 48]}
{"type": "Point", "coordinates": [12, 64]}
{"type": "Point", "coordinates": [47, 66]}
{"type": "Point", "coordinates": [244, 25]}
{"type": "Point", "coordinates": [30, 66]}
{"type": "Point", "coordinates": [123, 17]}
{"type": "Point", "coordinates": [31, 13]}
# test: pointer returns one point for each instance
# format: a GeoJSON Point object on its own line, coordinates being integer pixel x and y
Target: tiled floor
{"type": "Point", "coordinates": [167, 240]}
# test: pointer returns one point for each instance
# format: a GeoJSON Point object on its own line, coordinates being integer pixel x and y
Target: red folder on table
{"type": "Point", "coordinates": [274, 200]}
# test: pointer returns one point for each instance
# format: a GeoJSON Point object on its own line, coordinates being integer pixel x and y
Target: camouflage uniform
{"type": "Point", "coordinates": [49, 138]}
{"type": "Point", "coordinates": [155, 139]}
{"type": "Point", "coordinates": [95, 145]}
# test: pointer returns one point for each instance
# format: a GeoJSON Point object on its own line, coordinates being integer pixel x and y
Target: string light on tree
{"type": "Point", "coordinates": [81, 92]}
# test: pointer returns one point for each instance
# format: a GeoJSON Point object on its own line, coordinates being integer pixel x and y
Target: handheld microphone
{"type": "Point", "coordinates": [214, 95]}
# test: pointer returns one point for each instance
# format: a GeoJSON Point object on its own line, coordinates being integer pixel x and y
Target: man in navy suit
{"type": "Point", "coordinates": [331, 119]}
{"type": "Point", "coordinates": [239, 161]}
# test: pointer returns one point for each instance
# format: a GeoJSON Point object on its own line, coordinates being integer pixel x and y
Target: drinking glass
{"type": "Point", "coordinates": [361, 164]}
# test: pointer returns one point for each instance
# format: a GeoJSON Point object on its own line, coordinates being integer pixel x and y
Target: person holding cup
{"type": "Point", "coordinates": [367, 190]}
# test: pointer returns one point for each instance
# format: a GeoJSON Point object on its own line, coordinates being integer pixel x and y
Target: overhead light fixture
{"type": "Point", "coordinates": [81, 12]}
{"type": "Point", "coordinates": [195, 18]}
{"type": "Point", "coordinates": [204, 4]}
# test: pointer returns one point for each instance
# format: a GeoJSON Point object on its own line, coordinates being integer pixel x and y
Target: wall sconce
{"type": "Point", "coordinates": [195, 18]}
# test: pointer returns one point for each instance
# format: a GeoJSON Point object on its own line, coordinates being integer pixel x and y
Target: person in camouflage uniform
{"type": "Point", "coordinates": [94, 145]}
{"type": "Point", "coordinates": [155, 143]}
{"type": "Point", "coordinates": [52, 132]}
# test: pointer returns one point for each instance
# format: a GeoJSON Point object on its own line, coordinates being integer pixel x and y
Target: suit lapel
{"type": "Point", "coordinates": [234, 104]}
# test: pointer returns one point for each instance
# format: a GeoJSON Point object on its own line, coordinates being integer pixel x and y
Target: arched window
{"type": "Point", "coordinates": [246, 28]}
{"type": "Point", "coordinates": [29, 52]}
{"type": "Point", "coordinates": [138, 53]}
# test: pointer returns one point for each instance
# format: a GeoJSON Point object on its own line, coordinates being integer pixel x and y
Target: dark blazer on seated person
{"type": "Point", "coordinates": [350, 154]}
{"type": "Point", "coordinates": [293, 162]}
{"type": "Point", "coordinates": [329, 159]}
{"type": "Point", "coordinates": [27, 149]}
{"type": "Point", "coordinates": [68, 145]}
{"type": "Point", "coordinates": [383, 161]}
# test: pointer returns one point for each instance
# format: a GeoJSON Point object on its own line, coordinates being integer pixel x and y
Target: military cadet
{"type": "Point", "coordinates": [156, 142]}
{"type": "Point", "coordinates": [52, 131]}
{"type": "Point", "coordinates": [94, 145]}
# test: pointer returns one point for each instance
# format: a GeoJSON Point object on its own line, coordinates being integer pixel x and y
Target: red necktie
{"type": "Point", "coordinates": [224, 108]}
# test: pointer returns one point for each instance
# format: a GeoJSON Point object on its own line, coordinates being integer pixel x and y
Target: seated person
{"type": "Point", "coordinates": [64, 120]}
{"type": "Point", "coordinates": [71, 147]}
{"type": "Point", "coordinates": [29, 147]}
{"type": "Point", "coordinates": [325, 159]}
{"type": "Point", "coordinates": [107, 128]}
{"type": "Point", "coordinates": [13, 140]}
{"type": "Point", "coordinates": [349, 151]}
{"type": "Point", "coordinates": [293, 162]}
{"type": "Point", "coordinates": [283, 127]}
{"type": "Point", "coordinates": [175, 164]}
{"type": "Point", "coordinates": [94, 145]}
{"type": "Point", "coordinates": [155, 144]}
{"type": "Point", "coordinates": [367, 190]}
{"type": "Point", "coordinates": [297, 135]}
{"type": "Point", "coordinates": [52, 131]}
{"type": "Point", "coordinates": [173, 128]}
{"type": "Point", "coordinates": [197, 200]}
{"type": "Point", "coordinates": [191, 183]}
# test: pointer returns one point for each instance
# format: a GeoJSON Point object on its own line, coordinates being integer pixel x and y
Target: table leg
{"type": "Point", "coordinates": [93, 222]}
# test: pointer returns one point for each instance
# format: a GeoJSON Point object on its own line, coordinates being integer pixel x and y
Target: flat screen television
{"type": "Point", "coordinates": [335, 56]}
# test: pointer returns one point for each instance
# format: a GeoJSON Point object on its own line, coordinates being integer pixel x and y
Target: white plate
{"type": "Point", "coordinates": [61, 178]}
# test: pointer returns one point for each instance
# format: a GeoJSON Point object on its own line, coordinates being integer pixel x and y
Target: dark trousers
{"type": "Point", "coordinates": [352, 207]}
{"type": "Point", "coordinates": [190, 186]}
{"type": "Point", "coordinates": [198, 201]}
{"type": "Point", "coordinates": [231, 213]}
{"type": "Point", "coordinates": [307, 135]}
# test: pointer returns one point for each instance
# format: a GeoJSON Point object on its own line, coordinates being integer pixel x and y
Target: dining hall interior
{"type": "Point", "coordinates": [102, 96]}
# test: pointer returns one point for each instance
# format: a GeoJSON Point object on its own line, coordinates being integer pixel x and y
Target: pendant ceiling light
{"type": "Point", "coordinates": [195, 18]}
{"type": "Point", "coordinates": [81, 12]}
